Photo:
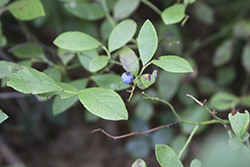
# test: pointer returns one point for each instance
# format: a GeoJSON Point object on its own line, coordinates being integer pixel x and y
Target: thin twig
{"type": "Point", "coordinates": [188, 140]}
{"type": "Point", "coordinates": [197, 101]}
{"type": "Point", "coordinates": [135, 133]}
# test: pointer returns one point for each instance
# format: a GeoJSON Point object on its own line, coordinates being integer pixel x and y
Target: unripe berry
{"type": "Point", "coordinates": [127, 77]}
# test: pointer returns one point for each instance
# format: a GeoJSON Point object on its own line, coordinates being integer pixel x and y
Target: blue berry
{"type": "Point", "coordinates": [127, 77]}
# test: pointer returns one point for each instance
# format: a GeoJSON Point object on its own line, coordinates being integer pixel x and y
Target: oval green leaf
{"type": "Point", "coordinates": [3, 116]}
{"type": "Point", "coordinates": [28, 51]}
{"type": "Point", "coordinates": [173, 64]}
{"type": "Point", "coordinates": [166, 156]}
{"type": "Point", "coordinates": [85, 10]}
{"type": "Point", "coordinates": [26, 9]}
{"type": "Point", "coordinates": [98, 63]}
{"type": "Point", "coordinates": [121, 34]}
{"type": "Point", "coordinates": [129, 61]}
{"type": "Point", "coordinates": [104, 103]}
{"type": "Point", "coordinates": [76, 41]}
{"type": "Point", "coordinates": [223, 53]}
{"type": "Point", "coordinates": [173, 14]}
{"type": "Point", "coordinates": [222, 101]}
{"type": "Point", "coordinates": [124, 8]}
{"type": "Point", "coordinates": [147, 41]}
{"type": "Point", "coordinates": [30, 81]}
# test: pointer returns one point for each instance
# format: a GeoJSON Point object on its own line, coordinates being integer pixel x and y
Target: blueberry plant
{"type": "Point", "coordinates": [135, 49]}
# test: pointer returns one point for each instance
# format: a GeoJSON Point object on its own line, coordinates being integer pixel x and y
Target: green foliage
{"type": "Point", "coordinates": [124, 8]}
{"type": "Point", "coordinates": [97, 41]}
{"type": "Point", "coordinates": [103, 103]}
{"type": "Point", "coordinates": [173, 64]}
{"type": "Point", "coordinates": [129, 61]}
{"type": "Point", "coordinates": [28, 51]}
{"type": "Point", "coordinates": [173, 14]}
{"type": "Point", "coordinates": [84, 10]}
{"type": "Point", "coordinates": [147, 42]}
{"type": "Point", "coordinates": [167, 157]}
{"type": "Point", "coordinates": [26, 9]}
{"type": "Point", "coordinates": [121, 34]}
{"type": "Point", "coordinates": [76, 41]}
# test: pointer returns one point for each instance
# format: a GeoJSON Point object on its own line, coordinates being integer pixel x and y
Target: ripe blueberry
{"type": "Point", "coordinates": [127, 77]}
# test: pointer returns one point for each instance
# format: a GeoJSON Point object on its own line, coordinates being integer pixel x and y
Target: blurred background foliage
{"type": "Point", "coordinates": [215, 40]}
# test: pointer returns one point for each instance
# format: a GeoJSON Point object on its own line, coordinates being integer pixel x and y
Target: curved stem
{"type": "Point", "coordinates": [163, 101]}
{"type": "Point", "coordinates": [188, 140]}
{"type": "Point", "coordinates": [152, 6]}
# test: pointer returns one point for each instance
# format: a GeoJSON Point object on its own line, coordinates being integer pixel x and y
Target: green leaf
{"type": "Point", "coordinates": [147, 42]}
{"type": "Point", "coordinates": [195, 163]}
{"type": "Point", "coordinates": [25, 63]}
{"type": "Point", "coordinates": [167, 84]}
{"type": "Point", "coordinates": [26, 9]}
{"type": "Point", "coordinates": [60, 105]}
{"type": "Point", "coordinates": [76, 41]}
{"type": "Point", "coordinates": [173, 14]}
{"type": "Point", "coordinates": [241, 29]}
{"type": "Point", "coordinates": [28, 50]}
{"type": "Point", "coordinates": [223, 53]}
{"type": "Point", "coordinates": [124, 8]}
{"type": "Point", "coordinates": [86, 57]}
{"type": "Point", "coordinates": [173, 64]}
{"type": "Point", "coordinates": [4, 68]}
{"type": "Point", "coordinates": [53, 73]}
{"type": "Point", "coordinates": [146, 80]}
{"type": "Point", "coordinates": [98, 63]}
{"type": "Point", "coordinates": [30, 81]}
{"type": "Point", "coordinates": [109, 81]}
{"type": "Point", "coordinates": [246, 58]}
{"type": "Point", "coordinates": [104, 103]}
{"type": "Point", "coordinates": [67, 91]}
{"type": "Point", "coordinates": [204, 12]}
{"type": "Point", "coordinates": [139, 163]}
{"type": "Point", "coordinates": [166, 157]}
{"type": "Point", "coordinates": [65, 55]}
{"type": "Point", "coordinates": [239, 123]}
{"type": "Point", "coordinates": [245, 100]}
{"type": "Point", "coordinates": [121, 34]}
{"type": "Point", "coordinates": [85, 10]}
{"type": "Point", "coordinates": [228, 71]}
{"type": "Point", "coordinates": [105, 30]}
{"type": "Point", "coordinates": [222, 101]}
{"type": "Point", "coordinates": [3, 116]}
{"type": "Point", "coordinates": [235, 143]}
{"type": "Point", "coordinates": [129, 61]}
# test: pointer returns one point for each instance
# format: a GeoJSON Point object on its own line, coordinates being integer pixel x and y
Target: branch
{"type": "Point", "coordinates": [135, 133]}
